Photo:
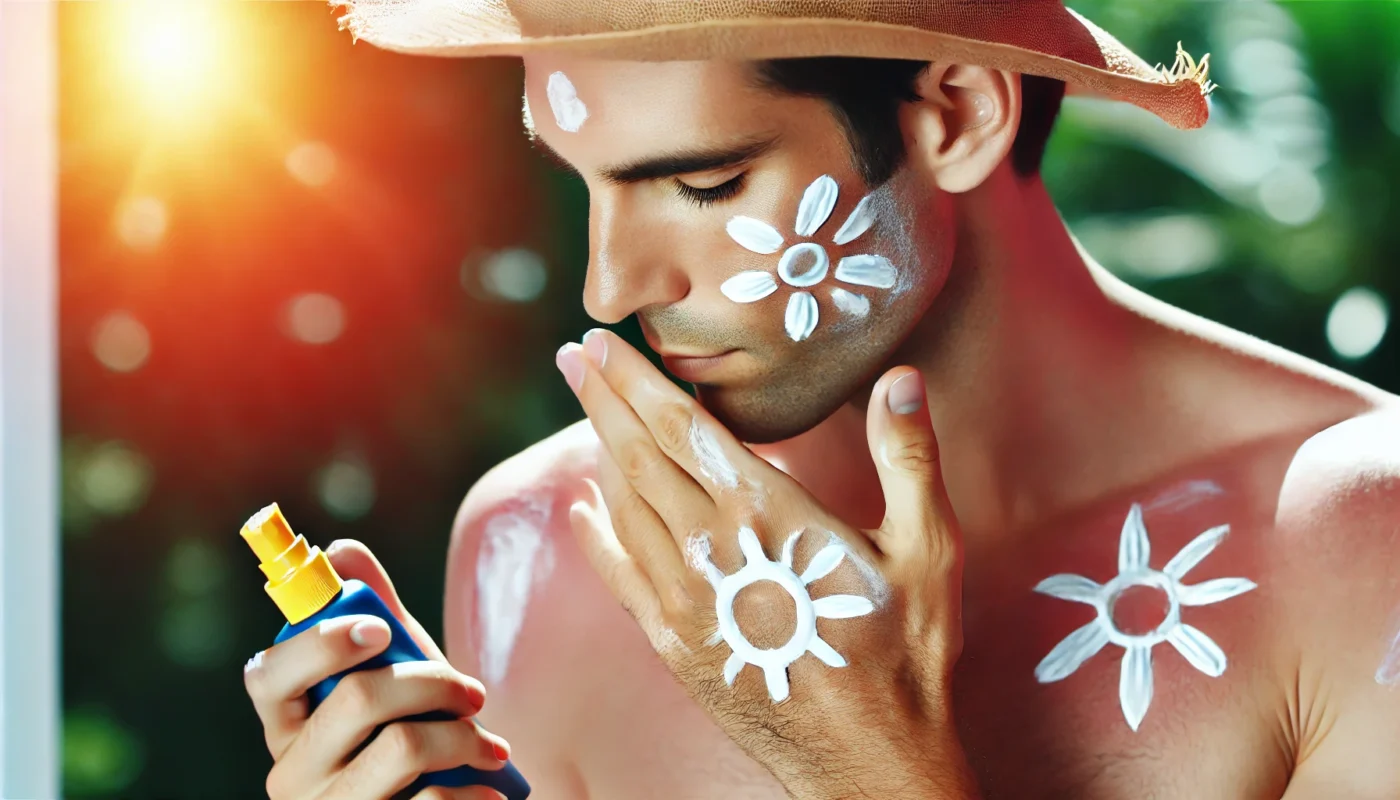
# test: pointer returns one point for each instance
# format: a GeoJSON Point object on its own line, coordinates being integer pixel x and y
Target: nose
{"type": "Point", "coordinates": [632, 264]}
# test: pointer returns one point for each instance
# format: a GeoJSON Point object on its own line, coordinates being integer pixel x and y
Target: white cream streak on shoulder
{"type": "Point", "coordinates": [516, 554]}
{"type": "Point", "coordinates": [710, 458]}
{"type": "Point", "coordinates": [1388, 673]}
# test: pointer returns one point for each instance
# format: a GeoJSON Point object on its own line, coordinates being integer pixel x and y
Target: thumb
{"type": "Point", "coordinates": [354, 561]}
{"type": "Point", "coordinates": [905, 450]}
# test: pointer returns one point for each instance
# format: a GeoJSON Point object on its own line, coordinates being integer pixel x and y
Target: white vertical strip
{"type": "Point", "coordinates": [29, 537]}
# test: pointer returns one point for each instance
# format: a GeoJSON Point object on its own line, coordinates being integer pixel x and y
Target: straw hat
{"type": "Point", "coordinates": [1037, 37]}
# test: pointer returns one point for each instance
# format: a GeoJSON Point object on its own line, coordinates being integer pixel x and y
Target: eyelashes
{"type": "Point", "coordinates": [703, 198]}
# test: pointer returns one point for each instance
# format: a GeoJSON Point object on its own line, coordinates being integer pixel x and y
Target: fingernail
{"type": "Point", "coordinates": [476, 696]}
{"type": "Point", "coordinates": [569, 360]}
{"type": "Point", "coordinates": [334, 547]}
{"type": "Point", "coordinates": [367, 634]}
{"type": "Point", "coordinates": [596, 347]}
{"type": "Point", "coordinates": [502, 750]}
{"type": "Point", "coordinates": [253, 663]}
{"type": "Point", "coordinates": [906, 394]}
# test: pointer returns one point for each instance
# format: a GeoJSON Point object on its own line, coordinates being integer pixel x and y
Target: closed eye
{"type": "Point", "coordinates": [707, 196]}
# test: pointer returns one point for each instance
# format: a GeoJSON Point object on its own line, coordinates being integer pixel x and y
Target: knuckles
{"type": "Point", "coordinates": [276, 790]}
{"type": "Point", "coordinates": [637, 458]}
{"type": "Point", "coordinates": [673, 424]}
{"type": "Point", "coordinates": [255, 681]}
{"type": "Point", "coordinates": [403, 745]}
{"type": "Point", "coordinates": [358, 694]}
{"type": "Point", "coordinates": [918, 455]}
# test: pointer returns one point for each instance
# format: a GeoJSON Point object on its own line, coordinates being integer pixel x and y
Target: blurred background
{"type": "Point", "coordinates": [302, 270]}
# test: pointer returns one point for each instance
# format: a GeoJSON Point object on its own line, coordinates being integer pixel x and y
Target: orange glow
{"type": "Point", "coordinates": [173, 56]}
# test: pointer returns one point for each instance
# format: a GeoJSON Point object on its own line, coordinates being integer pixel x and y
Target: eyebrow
{"type": "Point", "coordinates": [667, 165]}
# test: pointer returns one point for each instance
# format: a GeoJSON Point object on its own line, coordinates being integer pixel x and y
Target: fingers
{"type": "Point", "coordinates": [363, 701]}
{"type": "Point", "coordinates": [679, 426]}
{"type": "Point", "coordinates": [278, 678]}
{"type": "Point", "coordinates": [352, 560]}
{"type": "Point", "coordinates": [902, 442]}
{"type": "Point", "coordinates": [642, 533]}
{"type": "Point", "coordinates": [618, 569]}
{"type": "Point", "coordinates": [654, 474]}
{"type": "Point", "coordinates": [459, 793]}
{"type": "Point", "coordinates": [404, 750]}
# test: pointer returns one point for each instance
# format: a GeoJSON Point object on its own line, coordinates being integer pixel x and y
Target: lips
{"type": "Point", "coordinates": [698, 368]}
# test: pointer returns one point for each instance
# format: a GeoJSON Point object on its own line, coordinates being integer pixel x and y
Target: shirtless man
{"type": "Point", "coordinates": [1175, 543]}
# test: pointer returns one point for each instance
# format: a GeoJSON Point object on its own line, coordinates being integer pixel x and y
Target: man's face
{"type": "Point", "coordinates": [672, 154]}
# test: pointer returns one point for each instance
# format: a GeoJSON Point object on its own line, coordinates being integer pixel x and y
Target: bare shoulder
{"type": "Point", "coordinates": [1337, 568]}
{"type": "Point", "coordinates": [1345, 481]}
{"type": "Point", "coordinates": [517, 591]}
{"type": "Point", "coordinates": [505, 538]}
{"type": "Point", "coordinates": [558, 462]}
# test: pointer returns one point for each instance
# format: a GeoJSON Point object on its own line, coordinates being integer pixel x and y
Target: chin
{"type": "Point", "coordinates": [767, 415]}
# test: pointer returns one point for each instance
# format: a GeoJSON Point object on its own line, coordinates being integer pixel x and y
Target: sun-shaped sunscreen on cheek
{"type": "Point", "coordinates": [803, 265]}
{"type": "Point", "coordinates": [774, 662]}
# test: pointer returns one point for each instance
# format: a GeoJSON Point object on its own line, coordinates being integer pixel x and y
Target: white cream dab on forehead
{"type": "Point", "coordinates": [569, 111]}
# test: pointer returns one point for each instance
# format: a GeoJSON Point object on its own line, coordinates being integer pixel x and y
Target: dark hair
{"type": "Point", "coordinates": [865, 94]}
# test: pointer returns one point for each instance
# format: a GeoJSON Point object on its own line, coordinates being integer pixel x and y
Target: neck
{"type": "Point", "coordinates": [1050, 382]}
{"type": "Point", "coordinates": [1021, 348]}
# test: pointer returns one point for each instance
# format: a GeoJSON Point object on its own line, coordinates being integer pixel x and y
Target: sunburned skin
{"type": "Point", "coordinates": [516, 555]}
{"type": "Point", "coordinates": [1182, 496]}
{"type": "Point", "coordinates": [1135, 684]}
{"type": "Point", "coordinates": [1060, 398]}
{"type": "Point", "coordinates": [1388, 673]}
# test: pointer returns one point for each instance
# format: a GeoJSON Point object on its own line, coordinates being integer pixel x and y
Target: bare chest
{"type": "Point", "coordinates": [1138, 688]}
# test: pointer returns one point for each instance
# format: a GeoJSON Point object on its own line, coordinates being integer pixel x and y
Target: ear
{"type": "Point", "coordinates": [963, 125]}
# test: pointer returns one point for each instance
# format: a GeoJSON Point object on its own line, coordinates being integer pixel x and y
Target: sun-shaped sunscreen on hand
{"type": "Point", "coordinates": [774, 662]}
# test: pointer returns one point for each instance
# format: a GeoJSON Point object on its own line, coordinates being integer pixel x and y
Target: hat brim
{"type": "Point", "coordinates": [1087, 59]}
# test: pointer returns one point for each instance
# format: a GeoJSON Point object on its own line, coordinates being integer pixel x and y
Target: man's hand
{"type": "Point", "coordinates": [824, 651]}
{"type": "Point", "coordinates": [322, 755]}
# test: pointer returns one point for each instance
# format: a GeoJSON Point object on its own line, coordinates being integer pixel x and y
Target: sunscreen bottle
{"type": "Point", "coordinates": [305, 587]}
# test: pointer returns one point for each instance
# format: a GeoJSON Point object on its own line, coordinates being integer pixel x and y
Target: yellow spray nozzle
{"type": "Point", "coordinates": [268, 533]}
{"type": "Point", "coordinates": [300, 579]}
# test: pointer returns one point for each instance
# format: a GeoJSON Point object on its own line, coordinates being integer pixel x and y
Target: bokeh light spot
{"type": "Point", "coordinates": [195, 568]}
{"type": "Point", "coordinates": [120, 342]}
{"type": "Point", "coordinates": [1266, 66]}
{"type": "Point", "coordinates": [100, 755]}
{"type": "Point", "coordinates": [1292, 195]}
{"type": "Point", "coordinates": [196, 632]}
{"type": "Point", "coordinates": [516, 275]}
{"type": "Point", "coordinates": [312, 163]}
{"type": "Point", "coordinates": [1390, 104]}
{"type": "Point", "coordinates": [195, 627]}
{"type": "Point", "coordinates": [1357, 323]}
{"type": "Point", "coordinates": [1172, 245]}
{"type": "Point", "coordinates": [1156, 247]}
{"type": "Point", "coordinates": [114, 479]}
{"type": "Point", "coordinates": [315, 318]}
{"type": "Point", "coordinates": [345, 488]}
{"type": "Point", "coordinates": [141, 222]}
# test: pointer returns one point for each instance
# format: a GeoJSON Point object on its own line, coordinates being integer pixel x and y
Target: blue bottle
{"type": "Point", "coordinates": [304, 585]}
